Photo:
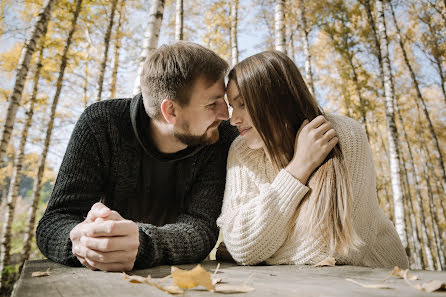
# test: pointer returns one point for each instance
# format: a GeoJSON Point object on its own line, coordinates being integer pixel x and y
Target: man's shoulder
{"type": "Point", "coordinates": [107, 110]}
{"type": "Point", "coordinates": [227, 133]}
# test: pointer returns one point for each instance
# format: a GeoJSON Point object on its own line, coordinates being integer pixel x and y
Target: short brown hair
{"type": "Point", "coordinates": [170, 72]}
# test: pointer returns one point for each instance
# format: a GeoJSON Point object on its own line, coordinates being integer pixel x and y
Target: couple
{"type": "Point", "coordinates": [142, 180]}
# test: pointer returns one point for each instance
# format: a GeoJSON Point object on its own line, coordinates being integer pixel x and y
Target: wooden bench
{"type": "Point", "coordinates": [285, 280]}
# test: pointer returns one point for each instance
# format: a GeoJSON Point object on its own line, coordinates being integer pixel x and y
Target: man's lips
{"type": "Point", "coordinates": [243, 131]}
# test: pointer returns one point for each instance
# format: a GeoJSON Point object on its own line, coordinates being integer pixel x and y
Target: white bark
{"type": "Point", "coordinates": [234, 39]}
{"type": "Point", "coordinates": [279, 26]}
{"type": "Point", "coordinates": [22, 72]}
{"type": "Point", "coordinates": [150, 38]}
{"type": "Point", "coordinates": [179, 19]}
{"type": "Point", "coordinates": [305, 31]}
{"type": "Point", "coordinates": [392, 132]}
{"type": "Point", "coordinates": [41, 165]}
{"type": "Point", "coordinates": [117, 48]}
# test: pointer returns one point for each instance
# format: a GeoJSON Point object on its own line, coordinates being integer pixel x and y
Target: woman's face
{"type": "Point", "coordinates": [241, 118]}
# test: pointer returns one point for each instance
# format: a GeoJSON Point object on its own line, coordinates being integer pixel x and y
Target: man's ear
{"type": "Point", "coordinates": [168, 109]}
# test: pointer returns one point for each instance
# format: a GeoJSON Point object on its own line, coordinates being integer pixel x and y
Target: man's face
{"type": "Point", "coordinates": [198, 121]}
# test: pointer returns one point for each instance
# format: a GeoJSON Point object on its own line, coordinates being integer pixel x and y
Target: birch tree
{"type": "Point", "coordinates": [392, 132]}
{"type": "Point", "coordinates": [279, 26]}
{"type": "Point", "coordinates": [234, 40]}
{"type": "Point", "coordinates": [41, 166]}
{"type": "Point", "coordinates": [22, 72]}
{"type": "Point", "coordinates": [106, 44]}
{"type": "Point", "coordinates": [305, 32]}
{"type": "Point", "coordinates": [151, 36]}
{"type": "Point", "coordinates": [118, 37]}
{"type": "Point", "coordinates": [179, 20]}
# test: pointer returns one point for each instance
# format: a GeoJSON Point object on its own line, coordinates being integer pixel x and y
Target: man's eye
{"type": "Point", "coordinates": [212, 105]}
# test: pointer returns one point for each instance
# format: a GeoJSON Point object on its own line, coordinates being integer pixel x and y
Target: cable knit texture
{"type": "Point", "coordinates": [102, 162]}
{"type": "Point", "coordinates": [259, 207]}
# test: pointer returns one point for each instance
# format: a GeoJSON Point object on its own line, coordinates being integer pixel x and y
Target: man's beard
{"type": "Point", "coordinates": [186, 137]}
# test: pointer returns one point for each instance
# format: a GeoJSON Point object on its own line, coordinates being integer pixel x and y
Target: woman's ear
{"type": "Point", "coordinates": [168, 109]}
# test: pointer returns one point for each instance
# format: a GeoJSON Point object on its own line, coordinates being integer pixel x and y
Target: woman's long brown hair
{"type": "Point", "coordinates": [278, 101]}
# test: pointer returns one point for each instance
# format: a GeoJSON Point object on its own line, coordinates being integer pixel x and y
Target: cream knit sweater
{"type": "Point", "coordinates": [259, 205]}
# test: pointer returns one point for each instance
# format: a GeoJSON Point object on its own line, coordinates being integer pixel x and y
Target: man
{"type": "Point", "coordinates": [156, 163]}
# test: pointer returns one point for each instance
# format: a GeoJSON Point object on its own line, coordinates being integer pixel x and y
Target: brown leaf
{"type": "Point", "coordinates": [398, 272]}
{"type": "Point", "coordinates": [230, 289]}
{"type": "Point", "coordinates": [135, 278]}
{"type": "Point", "coordinates": [329, 261]}
{"type": "Point", "coordinates": [429, 286]}
{"type": "Point", "coordinates": [186, 279]}
{"type": "Point", "coordinates": [41, 273]}
{"type": "Point", "coordinates": [148, 280]}
{"type": "Point", "coordinates": [369, 286]}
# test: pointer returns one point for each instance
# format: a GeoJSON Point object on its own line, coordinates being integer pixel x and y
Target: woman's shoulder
{"type": "Point", "coordinates": [349, 130]}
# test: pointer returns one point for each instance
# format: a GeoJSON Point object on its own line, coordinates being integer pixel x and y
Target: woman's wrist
{"type": "Point", "coordinates": [301, 173]}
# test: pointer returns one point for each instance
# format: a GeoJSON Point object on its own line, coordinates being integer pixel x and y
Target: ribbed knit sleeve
{"type": "Point", "coordinates": [78, 186]}
{"type": "Point", "coordinates": [256, 214]}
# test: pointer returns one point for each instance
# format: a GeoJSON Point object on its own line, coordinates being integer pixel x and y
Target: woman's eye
{"type": "Point", "coordinates": [241, 104]}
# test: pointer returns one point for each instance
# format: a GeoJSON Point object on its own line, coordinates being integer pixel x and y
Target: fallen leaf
{"type": "Point", "coordinates": [187, 279]}
{"type": "Point", "coordinates": [329, 261]}
{"type": "Point", "coordinates": [216, 280]}
{"type": "Point", "coordinates": [429, 286]}
{"type": "Point", "coordinates": [398, 272]}
{"type": "Point", "coordinates": [148, 280]}
{"type": "Point", "coordinates": [230, 289]}
{"type": "Point", "coordinates": [41, 273]}
{"type": "Point", "coordinates": [369, 286]}
{"type": "Point", "coordinates": [135, 278]}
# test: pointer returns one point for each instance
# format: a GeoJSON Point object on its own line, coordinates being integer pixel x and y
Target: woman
{"type": "Point", "coordinates": [300, 185]}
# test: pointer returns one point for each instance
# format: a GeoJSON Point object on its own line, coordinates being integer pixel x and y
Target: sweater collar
{"type": "Point", "coordinates": [141, 123]}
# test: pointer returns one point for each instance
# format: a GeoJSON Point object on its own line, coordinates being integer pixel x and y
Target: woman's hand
{"type": "Point", "coordinates": [314, 141]}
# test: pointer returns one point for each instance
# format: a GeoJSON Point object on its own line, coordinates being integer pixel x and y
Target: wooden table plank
{"type": "Point", "coordinates": [285, 280]}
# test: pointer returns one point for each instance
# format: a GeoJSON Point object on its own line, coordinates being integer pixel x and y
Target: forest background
{"type": "Point", "coordinates": [380, 62]}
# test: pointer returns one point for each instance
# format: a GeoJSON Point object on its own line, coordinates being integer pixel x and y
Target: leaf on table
{"type": "Point", "coordinates": [150, 281]}
{"type": "Point", "coordinates": [216, 280]}
{"type": "Point", "coordinates": [41, 273]}
{"type": "Point", "coordinates": [429, 286]}
{"type": "Point", "coordinates": [231, 289]}
{"type": "Point", "coordinates": [329, 261]}
{"type": "Point", "coordinates": [187, 279]}
{"type": "Point", "coordinates": [369, 286]}
{"type": "Point", "coordinates": [398, 272]}
{"type": "Point", "coordinates": [135, 278]}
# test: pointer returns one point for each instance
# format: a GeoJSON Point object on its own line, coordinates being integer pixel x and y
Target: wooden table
{"type": "Point", "coordinates": [286, 280]}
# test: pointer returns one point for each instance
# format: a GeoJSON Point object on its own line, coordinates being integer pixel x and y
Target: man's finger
{"type": "Point", "coordinates": [111, 266]}
{"type": "Point", "coordinates": [105, 257]}
{"type": "Point", "coordinates": [111, 228]}
{"type": "Point", "coordinates": [98, 210]}
{"type": "Point", "coordinates": [110, 244]}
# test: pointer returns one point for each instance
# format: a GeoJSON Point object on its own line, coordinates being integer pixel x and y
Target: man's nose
{"type": "Point", "coordinates": [222, 110]}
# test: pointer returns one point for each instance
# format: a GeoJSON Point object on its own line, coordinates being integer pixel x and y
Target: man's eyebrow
{"type": "Point", "coordinates": [216, 97]}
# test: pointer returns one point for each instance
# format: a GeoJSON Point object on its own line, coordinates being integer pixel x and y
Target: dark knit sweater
{"type": "Point", "coordinates": [103, 161]}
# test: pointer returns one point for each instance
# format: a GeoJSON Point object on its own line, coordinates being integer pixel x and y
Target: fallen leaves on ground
{"type": "Point", "coordinates": [369, 286]}
{"type": "Point", "coordinates": [429, 286]}
{"type": "Point", "coordinates": [398, 272]}
{"type": "Point", "coordinates": [329, 261]}
{"type": "Point", "coordinates": [41, 273]}
{"type": "Point", "coordinates": [188, 279]}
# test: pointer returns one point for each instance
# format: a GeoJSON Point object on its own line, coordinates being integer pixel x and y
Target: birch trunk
{"type": "Point", "coordinates": [234, 40]}
{"type": "Point", "coordinates": [117, 48]}
{"type": "Point", "coordinates": [179, 20]}
{"type": "Point", "coordinates": [392, 132]}
{"type": "Point", "coordinates": [305, 32]}
{"type": "Point", "coordinates": [107, 44]}
{"type": "Point", "coordinates": [150, 38]}
{"type": "Point", "coordinates": [279, 26]}
{"type": "Point", "coordinates": [22, 71]}
{"type": "Point", "coordinates": [41, 165]}
{"type": "Point", "coordinates": [423, 103]}
{"type": "Point", "coordinates": [17, 175]}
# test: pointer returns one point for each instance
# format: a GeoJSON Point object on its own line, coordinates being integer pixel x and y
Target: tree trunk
{"type": "Point", "coordinates": [234, 40]}
{"type": "Point", "coordinates": [305, 32]}
{"type": "Point", "coordinates": [150, 38]}
{"type": "Point", "coordinates": [392, 131]}
{"type": "Point", "coordinates": [107, 44]}
{"type": "Point", "coordinates": [179, 20]}
{"type": "Point", "coordinates": [423, 103]}
{"type": "Point", "coordinates": [22, 71]}
{"type": "Point", "coordinates": [17, 175]}
{"type": "Point", "coordinates": [279, 26]}
{"type": "Point", "coordinates": [41, 166]}
{"type": "Point", "coordinates": [117, 48]}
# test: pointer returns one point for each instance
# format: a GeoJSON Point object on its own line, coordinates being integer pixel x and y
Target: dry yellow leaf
{"type": "Point", "coordinates": [148, 280]}
{"type": "Point", "coordinates": [231, 289]}
{"type": "Point", "coordinates": [398, 272]}
{"type": "Point", "coordinates": [186, 279]}
{"type": "Point", "coordinates": [329, 261]}
{"type": "Point", "coordinates": [430, 286]}
{"type": "Point", "coordinates": [41, 273]}
{"type": "Point", "coordinates": [369, 286]}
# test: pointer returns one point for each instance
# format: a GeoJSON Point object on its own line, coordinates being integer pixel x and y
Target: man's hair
{"type": "Point", "coordinates": [171, 71]}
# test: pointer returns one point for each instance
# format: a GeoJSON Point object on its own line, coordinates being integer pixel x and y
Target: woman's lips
{"type": "Point", "coordinates": [244, 131]}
